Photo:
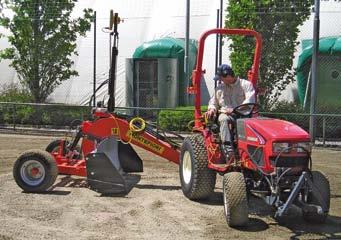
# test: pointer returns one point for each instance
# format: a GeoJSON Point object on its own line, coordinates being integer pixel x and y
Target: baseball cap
{"type": "Point", "coordinates": [223, 70]}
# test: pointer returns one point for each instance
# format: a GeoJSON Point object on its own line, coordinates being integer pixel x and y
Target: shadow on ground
{"type": "Point", "coordinates": [158, 187]}
{"type": "Point", "coordinates": [72, 182]}
{"type": "Point", "coordinates": [293, 221]}
{"type": "Point", "coordinates": [331, 229]}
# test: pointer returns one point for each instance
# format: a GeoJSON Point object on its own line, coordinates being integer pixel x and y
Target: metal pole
{"type": "Point", "coordinates": [112, 74]}
{"type": "Point", "coordinates": [14, 115]}
{"type": "Point", "coordinates": [324, 131]}
{"type": "Point", "coordinates": [216, 48]}
{"type": "Point", "coordinates": [110, 35]}
{"type": "Point", "coordinates": [94, 71]}
{"type": "Point", "coordinates": [221, 36]}
{"type": "Point", "coordinates": [187, 74]}
{"type": "Point", "coordinates": [110, 41]}
{"type": "Point", "coordinates": [307, 90]}
{"type": "Point", "coordinates": [316, 37]}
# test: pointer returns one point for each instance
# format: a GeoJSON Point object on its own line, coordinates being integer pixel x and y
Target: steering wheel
{"type": "Point", "coordinates": [246, 109]}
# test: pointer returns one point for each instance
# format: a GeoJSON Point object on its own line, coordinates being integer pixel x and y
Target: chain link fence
{"type": "Point", "coordinates": [328, 83]}
{"type": "Point", "coordinates": [328, 126]}
{"type": "Point", "coordinates": [138, 15]}
{"type": "Point", "coordinates": [286, 65]}
{"type": "Point", "coordinates": [18, 117]}
{"type": "Point", "coordinates": [31, 115]}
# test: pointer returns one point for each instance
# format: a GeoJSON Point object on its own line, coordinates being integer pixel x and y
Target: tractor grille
{"type": "Point", "coordinates": [290, 161]}
{"type": "Point", "coordinates": [256, 154]}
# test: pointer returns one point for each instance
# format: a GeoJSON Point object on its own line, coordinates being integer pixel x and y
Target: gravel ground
{"type": "Point", "coordinates": [154, 209]}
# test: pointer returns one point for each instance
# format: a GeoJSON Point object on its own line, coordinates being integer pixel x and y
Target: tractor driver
{"type": "Point", "coordinates": [231, 92]}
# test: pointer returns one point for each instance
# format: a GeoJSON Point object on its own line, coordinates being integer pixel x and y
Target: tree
{"type": "Point", "coordinates": [43, 38]}
{"type": "Point", "coordinates": [278, 23]}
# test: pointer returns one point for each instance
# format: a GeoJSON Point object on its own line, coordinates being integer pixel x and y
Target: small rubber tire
{"type": "Point", "coordinates": [322, 184]}
{"type": "Point", "coordinates": [42, 163]}
{"type": "Point", "coordinates": [236, 207]}
{"type": "Point", "coordinates": [197, 180]}
{"type": "Point", "coordinates": [54, 145]}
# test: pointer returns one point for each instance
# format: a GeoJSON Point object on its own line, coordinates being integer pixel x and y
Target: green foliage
{"type": "Point", "coordinates": [287, 107]}
{"type": "Point", "coordinates": [51, 115]}
{"type": "Point", "coordinates": [177, 120]}
{"type": "Point", "coordinates": [278, 23]}
{"type": "Point", "coordinates": [63, 115]}
{"type": "Point", "coordinates": [286, 111]}
{"type": "Point", "coordinates": [13, 93]}
{"type": "Point", "coordinates": [294, 113]}
{"type": "Point", "coordinates": [43, 38]}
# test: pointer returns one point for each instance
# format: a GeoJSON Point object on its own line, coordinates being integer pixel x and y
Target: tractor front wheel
{"type": "Point", "coordinates": [322, 184]}
{"type": "Point", "coordinates": [235, 199]}
{"type": "Point", "coordinates": [197, 180]}
{"type": "Point", "coordinates": [35, 171]}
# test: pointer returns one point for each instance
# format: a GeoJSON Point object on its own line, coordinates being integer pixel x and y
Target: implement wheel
{"type": "Point", "coordinates": [35, 171]}
{"type": "Point", "coordinates": [197, 180]}
{"type": "Point", "coordinates": [235, 199]}
{"type": "Point", "coordinates": [322, 184]}
{"type": "Point", "coordinates": [54, 146]}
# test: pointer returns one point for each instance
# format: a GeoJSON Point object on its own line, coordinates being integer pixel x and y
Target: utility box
{"type": "Point", "coordinates": [151, 83]}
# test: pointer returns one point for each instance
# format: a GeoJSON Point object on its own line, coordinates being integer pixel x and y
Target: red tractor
{"type": "Point", "coordinates": [271, 157]}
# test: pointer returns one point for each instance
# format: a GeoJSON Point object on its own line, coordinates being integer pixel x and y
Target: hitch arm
{"type": "Point", "coordinates": [282, 209]}
{"type": "Point", "coordinates": [304, 178]}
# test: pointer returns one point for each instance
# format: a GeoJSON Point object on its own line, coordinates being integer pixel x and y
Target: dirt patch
{"type": "Point", "coordinates": [154, 209]}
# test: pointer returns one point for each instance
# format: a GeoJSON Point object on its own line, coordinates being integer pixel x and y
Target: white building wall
{"type": "Point", "coordinates": [145, 20]}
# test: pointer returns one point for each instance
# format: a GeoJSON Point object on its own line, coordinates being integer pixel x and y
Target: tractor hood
{"type": "Point", "coordinates": [278, 130]}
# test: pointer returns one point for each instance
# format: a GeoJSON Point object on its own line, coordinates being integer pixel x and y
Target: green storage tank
{"type": "Point", "coordinates": [165, 60]}
{"type": "Point", "coordinates": [328, 72]}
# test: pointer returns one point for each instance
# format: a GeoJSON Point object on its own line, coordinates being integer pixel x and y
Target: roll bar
{"type": "Point", "coordinates": [197, 73]}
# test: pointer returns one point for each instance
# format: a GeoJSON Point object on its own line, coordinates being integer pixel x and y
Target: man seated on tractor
{"type": "Point", "coordinates": [231, 92]}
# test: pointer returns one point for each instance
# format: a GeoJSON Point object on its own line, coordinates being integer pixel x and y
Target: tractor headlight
{"type": "Point", "coordinates": [280, 147]}
{"type": "Point", "coordinates": [304, 146]}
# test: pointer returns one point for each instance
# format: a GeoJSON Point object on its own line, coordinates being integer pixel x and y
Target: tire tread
{"type": "Point", "coordinates": [321, 183]}
{"type": "Point", "coordinates": [203, 178]}
{"type": "Point", "coordinates": [235, 195]}
{"type": "Point", "coordinates": [50, 174]}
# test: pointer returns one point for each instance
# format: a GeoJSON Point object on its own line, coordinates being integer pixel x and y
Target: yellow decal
{"type": "Point", "coordinates": [145, 142]}
{"type": "Point", "coordinates": [114, 131]}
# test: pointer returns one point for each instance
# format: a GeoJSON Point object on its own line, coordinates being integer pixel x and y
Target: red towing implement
{"type": "Point", "coordinates": [271, 157]}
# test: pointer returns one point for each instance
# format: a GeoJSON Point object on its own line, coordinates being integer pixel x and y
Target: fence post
{"type": "Point", "coordinates": [316, 37]}
{"type": "Point", "coordinates": [14, 115]}
{"type": "Point", "coordinates": [94, 60]}
{"type": "Point", "coordinates": [324, 130]}
{"type": "Point", "coordinates": [157, 120]}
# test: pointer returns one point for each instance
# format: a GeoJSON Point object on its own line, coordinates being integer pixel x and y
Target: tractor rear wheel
{"type": "Point", "coordinates": [197, 180]}
{"type": "Point", "coordinates": [235, 199]}
{"type": "Point", "coordinates": [35, 171]}
{"type": "Point", "coordinates": [322, 184]}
